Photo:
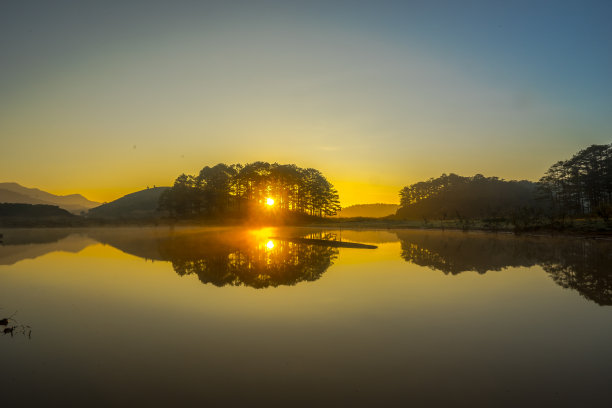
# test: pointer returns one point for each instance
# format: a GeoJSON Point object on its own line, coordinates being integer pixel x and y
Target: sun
{"type": "Point", "coordinates": [270, 244]}
{"type": "Point", "coordinates": [270, 201]}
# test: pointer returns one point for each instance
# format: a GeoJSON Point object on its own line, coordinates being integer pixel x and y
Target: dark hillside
{"type": "Point", "coordinates": [12, 210]}
{"type": "Point", "coordinates": [453, 196]}
{"type": "Point", "coordinates": [35, 215]}
{"type": "Point", "coordinates": [141, 204]}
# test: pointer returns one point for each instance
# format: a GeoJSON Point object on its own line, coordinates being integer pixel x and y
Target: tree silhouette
{"type": "Point", "coordinates": [471, 197]}
{"type": "Point", "coordinates": [581, 185]}
{"type": "Point", "coordinates": [238, 190]}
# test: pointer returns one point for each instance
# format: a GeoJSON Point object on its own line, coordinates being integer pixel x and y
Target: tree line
{"type": "Point", "coordinates": [453, 196]}
{"type": "Point", "coordinates": [236, 190]}
{"type": "Point", "coordinates": [578, 186]}
{"type": "Point", "coordinates": [581, 185]}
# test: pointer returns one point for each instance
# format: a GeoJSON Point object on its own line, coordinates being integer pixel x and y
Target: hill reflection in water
{"type": "Point", "coordinates": [584, 265]}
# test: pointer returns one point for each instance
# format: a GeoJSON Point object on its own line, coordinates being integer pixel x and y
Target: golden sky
{"type": "Point", "coordinates": [105, 100]}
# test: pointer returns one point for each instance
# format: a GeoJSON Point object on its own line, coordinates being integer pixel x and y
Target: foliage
{"type": "Point", "coordinates": [238, 189]}
{"type": "Point", "coordinates": [456, 197]}
{"type": "Point", "coordinates": [581, 185]}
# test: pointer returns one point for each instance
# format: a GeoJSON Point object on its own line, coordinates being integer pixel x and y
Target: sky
{"type": "Point", "coordinates": [106, 98]}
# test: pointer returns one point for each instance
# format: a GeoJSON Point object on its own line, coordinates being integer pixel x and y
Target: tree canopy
{"type": "Point", "coordinates": [578, 186]}
{"type": "Point", "coordinates": [450, 196]}
{"type": "Point", "coordinates": [236, 190]}
{"type": "Point", "coordinates": [582, 184]}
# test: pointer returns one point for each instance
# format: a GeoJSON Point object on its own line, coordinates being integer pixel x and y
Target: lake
{"type": "Point", "coordinates": [232, 317]}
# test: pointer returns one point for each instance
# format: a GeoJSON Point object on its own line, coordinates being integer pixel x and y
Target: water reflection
{"type": "Point", "coordinates": [235, 257]}
{"type": "Point", "coordinates": [584, 265]}
{"type": "Point", "coordinates": [246, 259]}
{"type": "Point", "coordinates": [20, 244]}
{"type": "Point", "coordinates": [229, 257]}
{"type": "Point", "coordinates": [23, 236]}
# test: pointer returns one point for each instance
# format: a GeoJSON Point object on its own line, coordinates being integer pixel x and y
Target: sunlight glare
{"type": "Point", "coordinates": [269, 201]}
{"type": "Point", "coordinates": [270, 245]}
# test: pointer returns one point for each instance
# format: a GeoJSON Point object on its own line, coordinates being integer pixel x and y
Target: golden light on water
{"type": "Point", "coordinates": [270, 201]}
{"type": "Point", "coordinates": [270, 244]}
{"type": "Point", "coordinates": [263, 234]}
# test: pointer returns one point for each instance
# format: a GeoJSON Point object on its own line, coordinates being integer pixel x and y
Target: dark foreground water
{"type": "Point", "coordinates": [230, 317]}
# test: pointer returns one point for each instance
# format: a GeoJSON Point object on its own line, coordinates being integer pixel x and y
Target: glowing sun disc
{"type": "Point", "coordinates": [269, 201]}
{"type": "Point", "coordinates": [270, 245]}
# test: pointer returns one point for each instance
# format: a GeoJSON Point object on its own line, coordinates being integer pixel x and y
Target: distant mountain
{"type": "Point", "coordinates": [140, 204]}
{"type": "Point", "coordinates": [8, 196]}
{"type": "Point", "coordinates": [15, 193]}
{"type": "Point", "coordinates": [368, 210]}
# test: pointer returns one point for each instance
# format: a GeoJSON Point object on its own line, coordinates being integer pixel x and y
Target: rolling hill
{"type": "Point", "coordinates": [141, 204]}
{"type": "Point", "coordinates": [368, 210]}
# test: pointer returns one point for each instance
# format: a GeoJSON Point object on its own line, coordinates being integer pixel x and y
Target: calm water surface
{"type": "Point", "coordinates": [195, 317]}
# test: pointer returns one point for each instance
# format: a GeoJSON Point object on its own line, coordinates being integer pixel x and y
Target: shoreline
{"type": "Point", "coordinates": [577, 229]}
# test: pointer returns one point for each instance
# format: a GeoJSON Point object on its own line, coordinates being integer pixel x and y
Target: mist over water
{"type": "Point", "coordinates": [198, 316]}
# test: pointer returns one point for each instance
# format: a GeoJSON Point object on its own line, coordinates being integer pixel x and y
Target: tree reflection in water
{"type": "Point", "coordinates": [584, 265]}
{"type": "Point", "coordinates": [245, 259]}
